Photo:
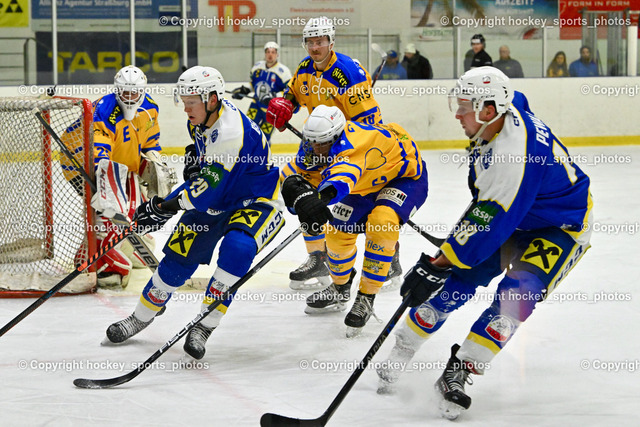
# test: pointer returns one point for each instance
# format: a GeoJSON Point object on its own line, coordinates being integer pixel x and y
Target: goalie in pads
{"type": "Point", "coordinates": [126, 149]}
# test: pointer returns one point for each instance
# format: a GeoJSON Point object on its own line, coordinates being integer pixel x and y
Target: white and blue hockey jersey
{"type": "Point", "coordinates": [236, 164]}
{"type": "Point", "coordinates": [523, 179]}
{"type": "Point", "coordinates": [268, 81]}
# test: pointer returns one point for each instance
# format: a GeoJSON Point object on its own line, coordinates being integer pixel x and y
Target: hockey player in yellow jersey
{"type": "Point", "coordinates": [325, 77]}
{"type": "Point", "coordinates": [375, 179]}
{"type": "Point", "coordinates": [126, 148]}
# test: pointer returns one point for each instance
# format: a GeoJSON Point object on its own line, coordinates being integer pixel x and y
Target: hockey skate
{"type": "Point", "coordinates": [196, 339]}
{"type": "Point", "coordinates": [312, 274]}
{"type": "Point", "coordinates": [389, 371]}
{"type": "Point", "coordinates": [123, 330]}
{"type": "Point", "coordinates": [359, 314]}
{"type": "Point", "coordinates": [394, 276]}
{"type": "Point", "coordinates": [332, 298]}
{"type": "Point", "coordinates": [450, 386]}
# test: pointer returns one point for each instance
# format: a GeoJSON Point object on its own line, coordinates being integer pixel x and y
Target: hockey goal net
{"type": "Point", "coordinates": [46, 223]}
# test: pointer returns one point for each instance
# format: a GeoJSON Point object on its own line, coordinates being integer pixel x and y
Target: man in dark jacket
{"type": "Point", "coordinates": [480, 57]}
{"type": "Point", "coordinates": [418, 67]}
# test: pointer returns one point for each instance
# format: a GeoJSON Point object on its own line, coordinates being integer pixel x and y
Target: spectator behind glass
{"type": "Point", "coordinates": [392, 70]}
{"type": "Point", "coordinates": [558, 66]}
{"type": "Point", "coordinates": [584, 67]}
{"type": "Point", "coordinates": [480, 57]}
{"type": "Point", "coordinates": [510, 67]}
{"type": "Point", "coordinates": [417, 66]}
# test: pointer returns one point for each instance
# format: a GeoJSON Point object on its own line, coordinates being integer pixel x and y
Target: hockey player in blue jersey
{"type": "Point", "coordinates": [529, 218]}
{"type": "Point", "coordinates": [268, 78]}
{"type": "Point", "coordinates": [232, 199]}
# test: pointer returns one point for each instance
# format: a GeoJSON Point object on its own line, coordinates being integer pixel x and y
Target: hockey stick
{"type": "Point", "coordinates": [112, 382]}
{"type": "Point", "coordinates": [383, 54]}
{"type": "Point", "coordinates": [270, 419]}
{"type": "Point", "coordinates": [37, 303]}
{"type": "Point", "coordinates": [119, 219]}
{"type": "Point", "coordinates": [435, 240]}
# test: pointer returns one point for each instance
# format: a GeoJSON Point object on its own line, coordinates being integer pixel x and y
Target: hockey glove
{"type": "Point", "coordinates": [150, 217]}
{"type": "Point", "coordinates": [303, 197]}
{"type": "Point", "coordinates": [191, 163]}
{"type": "Point", "coordinates": [240, 92]}
{"type": "Point", "coordinates": [279, 112]}
{"type": "Point", "coordinates": [424, 280]}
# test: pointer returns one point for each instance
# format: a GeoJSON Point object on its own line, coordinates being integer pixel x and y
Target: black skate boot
{"type": "Point", "coordinates": [312, 274]}
{"type": "Point", "coordinates": [361, 311]}
{"type": "Point", "coordinates": [196, 340]}
{"type": "Point", "coordinates": [125, 329]}
{"type": "Point", "coordinates": [450, 385]}
{"type": "Point", "coordinates": [332, 298]}
{"type": "Point", "coordinates": [394, 276]}
{"type": "Point", "coordinates": [389, 371]}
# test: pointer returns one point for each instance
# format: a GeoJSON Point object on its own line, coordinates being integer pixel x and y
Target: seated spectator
{"type": "Point", "coordinates": [417, 66]}
{"type": "Point", "coordinates": [584, 67]}
{"type": "Point", "coordinates": [392, 70]}
{"type": "Point", "coordinates": [510, 67]}
{"type": "Point", "coordinates": [558, 66]}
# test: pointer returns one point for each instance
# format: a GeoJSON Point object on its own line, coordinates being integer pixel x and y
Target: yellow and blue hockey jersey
{"type": "Point", "coordinates": [368, 157]}
{"type": "Point", "coordinates": [120, 140]}
{"type": "Point", "coordinates": [344, 84]}
{"type": "Point", "coordinates": [523, 179]}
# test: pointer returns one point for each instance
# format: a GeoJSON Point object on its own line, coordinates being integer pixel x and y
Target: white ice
{"type": "Point", "coordinates": [573, 362]}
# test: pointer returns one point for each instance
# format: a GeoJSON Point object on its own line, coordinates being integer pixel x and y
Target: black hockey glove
{"type": "Point", "coordinates": [150, 216]}
{"type": "Point", "coordinates": [424, 280]}
{"type": "Point", "coordinates": [191, 163]}
{"type": "Point", "coordinates": [303, 197]}
{"type": "Point", "coordinates": [240, 92]}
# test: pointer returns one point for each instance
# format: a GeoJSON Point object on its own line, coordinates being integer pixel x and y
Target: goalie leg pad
{"type": "Point", "coordinates": [111, 195]}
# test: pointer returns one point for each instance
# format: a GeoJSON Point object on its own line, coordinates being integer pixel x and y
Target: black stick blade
{"type": "Point", "coordinates": [106, 383]}
{"type": "Point", "coordinates": [273, 420]}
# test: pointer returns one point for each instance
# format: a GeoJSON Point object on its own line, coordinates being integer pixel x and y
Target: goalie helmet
{"type": "Point", "coordinates": [323, 128]}
{"type": "Point", "coordinates": [201, 81]}
{"type": "Point", "coordinates": [480, 85]}
{"type": "Point", "coordinates": [318, 27]}
{"type": "Point", "coordinates": [130, 83]}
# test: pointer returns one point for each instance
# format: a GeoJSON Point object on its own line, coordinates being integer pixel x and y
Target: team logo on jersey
{"type": "Point", "coordinates": [245, 216]}
{"type": "Point", "coordinates": [374, 159]}
{"type": "Point", "coordinates": [393, 195]}
{"type": "Point", "coordinates": [113, 117]}
{"type": "Point", "coordinates": [483, 213]}
{"type": "Point", "coordinates": [500, 328]}
{"type": "Point", "coordinates": [342, 212]}
{"type": "Point", "coordinates": [181, 240]}
{"type": "Point", "coordinates": [543, 254]}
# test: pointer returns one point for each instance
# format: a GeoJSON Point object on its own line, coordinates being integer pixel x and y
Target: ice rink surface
{"type": "Point", "coordinates": [575, 361]}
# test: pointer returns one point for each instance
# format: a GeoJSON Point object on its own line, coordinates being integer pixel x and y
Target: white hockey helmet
{"type": "Point", "coordinates": [272, 45]}
{"type": "Point", "coordinates": [130, 83]}
{"type": "Point", "coordinates": [201, 81]}
{"type": "Point", "coordinates": [324, 125]}
{"type": "Point", "coordinates": [480, 85]}
{"type": "Point", "coordinates": [318, 27]}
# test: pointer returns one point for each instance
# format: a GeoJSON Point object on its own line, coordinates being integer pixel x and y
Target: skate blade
{"type": "Point", "coordinates": [316, 283]}
{"type": "Point", "coordinates": [391, 285]}
{"type": "Point", "coordinates": [353, 332]}
{"type": "Point", "coordinates": [450, 410]}
{"type": "Point", "coordinates": [331, 309]}
{"type": "Point", "coordinates": [106, 342]}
